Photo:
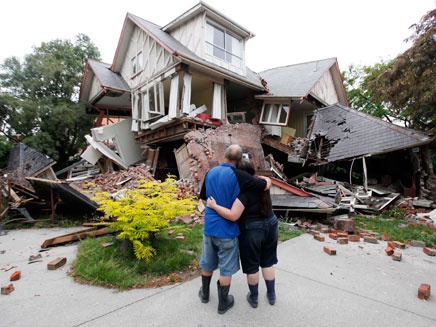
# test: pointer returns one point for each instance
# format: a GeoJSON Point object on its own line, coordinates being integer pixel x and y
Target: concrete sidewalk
{"type": "Point", "coordinates": [361, 286]}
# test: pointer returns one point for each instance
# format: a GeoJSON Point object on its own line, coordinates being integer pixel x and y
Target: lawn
{"type": "Point", "coordinates": [175, 261]}
{"type": "Point", "coordinates": [398, 229]}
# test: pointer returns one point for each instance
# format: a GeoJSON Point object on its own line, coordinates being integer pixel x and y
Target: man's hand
{"type": "Point", "coordinates": [211, 203]}
{"type": "Point", "coordinates": [268, 182]}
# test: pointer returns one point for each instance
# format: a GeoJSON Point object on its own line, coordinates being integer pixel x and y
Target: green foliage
{"type": "Point", "coordinates": [109, 266]}
{"type": "Point", "coordinates": [5, 148]}
{"type": "Point", "coordinates": [402, 234]}
{"type": "Point", "coordinates": [396, 213]}
{"type": "Point", "coordinates": [285, 234]}
{"type": "Point", "coordinates": [39, 98]}
{"type": "Point", "coordinates": [141, 214]}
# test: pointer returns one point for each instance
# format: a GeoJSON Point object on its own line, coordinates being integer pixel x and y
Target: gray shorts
{"type": "Point", "coordinates": [222, 252]}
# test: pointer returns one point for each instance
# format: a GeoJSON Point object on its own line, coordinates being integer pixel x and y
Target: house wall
{"type": "Point", "coordinates": [95, 88]}
{"type": "Point", "coordinates": [296, 118]}
{"type": "Point", "coordinates": [155, 58]}
{"type": "Point", "coordinates": [192, 35]}
{"type": "Point", "coordinates": [325, 89]}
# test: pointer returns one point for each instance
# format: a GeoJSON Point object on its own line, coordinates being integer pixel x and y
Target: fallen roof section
{"type": "Point", "coordinates": [340, 132]}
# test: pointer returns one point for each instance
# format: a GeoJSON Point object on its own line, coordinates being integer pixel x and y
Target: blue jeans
{"type": "Point", "coordinates": [222, 252]}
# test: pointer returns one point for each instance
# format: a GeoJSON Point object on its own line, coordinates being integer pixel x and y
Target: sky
{"type": "Point", "coordinates": [287, 32]}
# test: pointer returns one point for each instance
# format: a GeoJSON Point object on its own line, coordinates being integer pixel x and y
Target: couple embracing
{"type": "Point", "coordinates": [238, 217]}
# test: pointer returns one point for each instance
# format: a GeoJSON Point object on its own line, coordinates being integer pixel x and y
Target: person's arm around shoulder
{"type": "Point", "coordinates": [248, 183]}
{"type": "Point", "coordinates": [232, 214]}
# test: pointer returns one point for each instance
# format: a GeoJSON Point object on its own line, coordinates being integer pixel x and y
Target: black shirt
{"type": "Point", "coordinates": [253, 202]}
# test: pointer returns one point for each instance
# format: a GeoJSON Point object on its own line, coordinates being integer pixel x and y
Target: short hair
{"type": "Point", "coordinates": [234, 152]}
{"type": "Point", "coordinates": [246, 165]}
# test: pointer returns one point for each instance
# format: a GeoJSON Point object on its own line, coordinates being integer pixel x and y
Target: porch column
{"type": "Point", "coordinates": [174, 94]}
{"type": "Point", "coordinates": [186, 97]}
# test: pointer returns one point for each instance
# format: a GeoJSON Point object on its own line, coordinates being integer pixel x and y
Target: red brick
{"type": "Point", "coordinates": [57, 263]}
{"type": "Point", "coordinates": [15, 276]}
{"type": "Point", "coordinates": [389, 251]}
{"type": "Point", "coordinates": [391, 244]}
{"type": "Point", "coordinates": [347, 225]}
{"type": "Point", "coordinates": [342, 240]}
{"type": "Point", "coordinates": [385, 237]}
{"type": "Point", "coordinates": [364, 234]}
{"type": "Point", "coordinates": [183, 238]}
{"type": "Point", "coordinates": [314, 232]}
{"type": "Point", "coordinates": [7, 289]}
{"type": "Point", "coordinates": [325, 230]}
{"type": "Point", "coordinates": [333, 236]}
{"type": "Point", "coordinates": [171, 232]}
{"type": "Point", "coordinates": [370, 240]}
{"type": "Point", "coordinates": [397, 256]}
{"type": "Point", "coordinates": [319, 238]}
{"type": "Point", "coordinates": [424, 291]}
{"type": "Point", "coordinates": [354, 238]}
{"type": "Point", "coordinates": [429, 251]}
{"type": "Point", "coordinates": [399, 245]}
{"type": "Point", "coordinates": [329, 251]}
{"type": "Point", "coordinates": [342, 234]}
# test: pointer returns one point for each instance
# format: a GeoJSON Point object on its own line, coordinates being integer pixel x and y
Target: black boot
{"type": "Point", "coordinates": [252, 295]}
{"type": "Point", "coordinates": [225, 301]}
{"type": "Point", "coordinates": [270, 291]}
{"type": "Point", "coordinates": [204, 289]}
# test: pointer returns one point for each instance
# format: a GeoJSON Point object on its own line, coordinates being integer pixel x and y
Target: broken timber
{"type": "Point", "coordinates": [71, 237]}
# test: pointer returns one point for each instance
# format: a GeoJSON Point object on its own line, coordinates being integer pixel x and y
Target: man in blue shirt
{"type": "Point", "coordinates": [220, 239]}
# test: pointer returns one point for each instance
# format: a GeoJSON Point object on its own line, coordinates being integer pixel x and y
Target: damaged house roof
{"type": "Point", "coordinates": [298, 80]}
{"type": "Point", "coordinates": [348, 133]}
{"type": "Point", "coordinates": [107, 77]}
{"type": "Point", "coordinates": [26, 161]}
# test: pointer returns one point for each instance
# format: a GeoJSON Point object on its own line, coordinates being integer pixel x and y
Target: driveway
{"type": "Point", "coordinates": [360, 286]}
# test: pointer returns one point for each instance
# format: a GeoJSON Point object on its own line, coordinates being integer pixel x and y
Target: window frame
{"type": "Point", "coordinates": [277, 123]}
{"type": "Point", "coordinates": [134, 66]}
{"type": "Point", "coordinates": [226, 51]}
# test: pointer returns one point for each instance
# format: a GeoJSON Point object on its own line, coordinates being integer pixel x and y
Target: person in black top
{"type": "Point", "coordinates": [258, 236]}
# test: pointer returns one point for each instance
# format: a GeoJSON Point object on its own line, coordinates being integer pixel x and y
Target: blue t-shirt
{"type": "Point", "coordinates": [224, 183]}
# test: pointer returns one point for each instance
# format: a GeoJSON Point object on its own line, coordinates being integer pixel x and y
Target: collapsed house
{"type": "Point", "coordinates": [181, 93]}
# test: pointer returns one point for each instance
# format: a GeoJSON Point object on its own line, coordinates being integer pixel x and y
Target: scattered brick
{"type": "Point", "coordinates": [354, 238]}
{"type": "Point", "coordinates": [57, 263]}
{"type": "Point", "coordinates": [391, 244]}
{"type": "Point", "coordinates": [8, 289]}
{"type": "Point", "coordinates": [417, 243]}
{"type": "Point", "coordinates": [364, 234]}
{"type": "Point", "coordinates": [385, 237]}
{"type": "Point", "coordinates": [314, 232]}
{"type": "Point", "coordinates": [424, 291]}
{"type": "Point", "coordinates": [171, 232]}
{"type": "Point", "coordinates": [396, 256]}
{"type": "Point", "coordinates": [399, 245]}
{"type": "Point", "coordinates": [325, 230]}
{"type": "Point", "coordinates": [333, 236]}
{"type": "Point", "coordinates": [370, 240]}
{"type": "Point", "coordinates": [15, 276]}
{"type": "Point", "coordinates": [329, 251]}
{"type": "Point", "coordinates": [319, 238]}
{"type": "Point", "coordinates": [342, 234]}
{"type": "Point", "coordinates": [347, 225]}
{"type": "Point", "coordinates": [429, 251]}
{"type": "Point", "coordinates": [389, 251]}
{"type": "Point", "coordinates": [342, 240]}
{"type": "Point", "coordinates": [105, 245]}
{"type": "Point", "coordinates": [183, 238]}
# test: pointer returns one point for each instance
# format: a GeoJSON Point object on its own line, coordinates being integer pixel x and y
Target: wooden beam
{"type": "Point", "coordinates": [90, 232]}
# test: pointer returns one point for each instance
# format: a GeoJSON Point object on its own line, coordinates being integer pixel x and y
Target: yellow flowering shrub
{"type": "Point", "coordinates": [142, 213]}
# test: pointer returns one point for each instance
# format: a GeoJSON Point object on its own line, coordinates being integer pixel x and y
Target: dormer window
{"type": "Point", "coordinates": [222, 44]}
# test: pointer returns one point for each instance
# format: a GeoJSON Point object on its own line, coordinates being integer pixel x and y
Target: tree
{"type": "Point", "coordinates": [408, 85]}
{"type": "Point", "coordinates": [39, 99]}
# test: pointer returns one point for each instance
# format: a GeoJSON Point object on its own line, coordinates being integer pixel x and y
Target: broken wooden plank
{"type": "Point", "coordinates": [50, 241]}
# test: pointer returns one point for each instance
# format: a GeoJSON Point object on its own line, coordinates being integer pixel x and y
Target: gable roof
{"type": "Point", "coordinates": [107, 77]}
{"type": "Point", "coordinates": [217, 16]}
{"type": "Point", "coordinates": [351, 133]}
{"type": "Point", "coordinates": [296, 80]}
{"type": "Point", "coordinates": [175, 48]}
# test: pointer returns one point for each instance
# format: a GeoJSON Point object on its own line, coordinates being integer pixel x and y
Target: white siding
{"type": "Point", "coordinates": [192, 35]}
{"type": "Point", "coordinates": [95, 88]}
{"type": "Point", "coordinates": [325, 89]}
{"type": "Point", "coordinates": [155, 58]}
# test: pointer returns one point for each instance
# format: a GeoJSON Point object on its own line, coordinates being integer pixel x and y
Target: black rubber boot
{"type": "Point", "coordinates": [253, 295]}
{"type": "Point", "coordinates": [225, 301]}
{"type": "Point", "coordinates": [204, 289]}
{"type": "Point", "coordinates": [270, 291]}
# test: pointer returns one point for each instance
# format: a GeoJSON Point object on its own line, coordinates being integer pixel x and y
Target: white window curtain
{"type": "Point", "coordinates": [217, 101]}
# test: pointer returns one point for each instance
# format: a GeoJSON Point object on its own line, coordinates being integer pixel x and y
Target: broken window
{"type": "Point", "coordinates": [134, 65]}
{"type": "Point", "coordinates": [154, 104]}
{"type": "Point", "coordinates": [140, 61]}
{"type": "Point", "coordinates": [224, 45]}
{"type": "Point", "coordinates": [275, 114]}
{"type": "Point", "coordinates": [236, 117]}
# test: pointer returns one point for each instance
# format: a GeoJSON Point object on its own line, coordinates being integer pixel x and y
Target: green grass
{"type": "Point", "coordinates": [114, 268]}
{"type": "Point", "coordinates": [285, 234]}
{"type": "Point", "coordinates": [390, 227]}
